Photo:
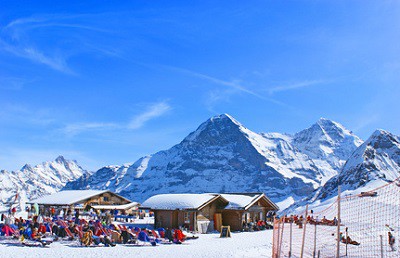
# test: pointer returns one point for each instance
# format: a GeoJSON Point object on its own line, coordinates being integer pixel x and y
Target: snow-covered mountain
{"type": "Point", "coordinates": [328, 144]}
{"type": "Point", "coordinates": [375, 162]}
{"type": "Point", "coordinates": [224, 156]}
{"type": "Point", "coordinates": [31, 182]}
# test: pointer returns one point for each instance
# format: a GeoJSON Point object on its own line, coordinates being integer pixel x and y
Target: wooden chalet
{"type": "Point", "coordinates": [206, 212]}
{"type": "Point", "coordinates": [244, 208]}
{"type": "Point", "coordinates": [192, 211]}
{"type": "Point", "coordinates": [80, 199]}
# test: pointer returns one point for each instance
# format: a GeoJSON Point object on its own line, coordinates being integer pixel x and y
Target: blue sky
{"type": "Point", "coordinates": [106, 82]}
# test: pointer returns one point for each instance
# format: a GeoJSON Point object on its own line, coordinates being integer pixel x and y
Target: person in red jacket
{"type": "Point", "coordinates": [35, 234]}
{"type": "Point", "coordinates": [179, 237]}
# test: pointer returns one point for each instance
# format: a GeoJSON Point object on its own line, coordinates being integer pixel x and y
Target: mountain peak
{"type": "Point", "coordinates": [60, 159]}
{"type": "Point", "coordinates": [380, 132]}
{"type": "Point", "coordinates": [328, 125]}
{"type": "Point", "coordinates": [329, 142]}
{"type": "Point", "coordinates": [326, 130]}
{"type": "Point", "coordinates": [323, 119]}
{"type": "Point", "coordinates": [27, 167]}
{"type": "Point", "coordinates": [225, 118]}
{"type": "Point", "coordinates": [216, 125]}
{"type": "Point", "coordinates": [383, 139]}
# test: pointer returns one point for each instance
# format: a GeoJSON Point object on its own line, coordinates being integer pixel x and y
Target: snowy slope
{"type": "Point", "coordinates": [329, 144]}
{"type": "Point", "coordinates": [224, 156]}
{"type": "Point", "coordinates": [378, 159]}
{"type": "Point", "coordinates": [375, 163]}
{"type": "Point", "coordinates": [31, 182]}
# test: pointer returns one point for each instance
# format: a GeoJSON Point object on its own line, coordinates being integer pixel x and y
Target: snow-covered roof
{"type": "Point", "coordinates": [178, 201]}
{"type": "Point", "coordinates": [117, 207]}
{"type": "Point", "coordinates": [240, 201]}
{"type": "Point", "coordinates": [67, 197]}
{"type": "Point", "coordinates": [236, 201]}
{"type": "Point", "coordinates": [243, 201]}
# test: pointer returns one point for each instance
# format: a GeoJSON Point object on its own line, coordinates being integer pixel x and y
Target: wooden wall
{"type": "Point", "coordinates": [232, 219]}
{"type": "Point", "coordinates": [111, 199]}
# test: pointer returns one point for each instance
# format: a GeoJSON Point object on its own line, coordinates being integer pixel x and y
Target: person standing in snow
{"type": "Point", "coordinates": [392, 240]}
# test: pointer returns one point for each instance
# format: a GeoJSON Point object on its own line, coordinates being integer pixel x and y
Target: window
{"type": "Point", "coordinates": [105, 198]}
{"type": "Point", "coordinates": [187, 217]}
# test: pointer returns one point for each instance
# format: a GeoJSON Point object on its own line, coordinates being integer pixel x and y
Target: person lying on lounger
{"type": "Point", "coordinates": [347, 240]}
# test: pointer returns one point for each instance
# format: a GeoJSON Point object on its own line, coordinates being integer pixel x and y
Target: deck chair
{"type": "Point", "coordinates": [144, 238]}
{"type": "Point", "coordinates": [87, 238]}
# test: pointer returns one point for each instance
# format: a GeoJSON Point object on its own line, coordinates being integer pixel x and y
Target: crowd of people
{"type": "Point", "coordinates": [43, 230]}
{"type": "Point", "coordinates": [299, 220]}
{"type": "Point", "coordinates": [256, 226]}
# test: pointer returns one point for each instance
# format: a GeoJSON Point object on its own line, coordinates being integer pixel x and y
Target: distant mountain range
{"type": "Point", "coordinates": [31, 182]}
{"type": "Point", "coordinates": [222, 155]}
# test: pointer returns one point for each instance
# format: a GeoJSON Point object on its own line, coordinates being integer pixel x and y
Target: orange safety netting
{"type": "Point", "coordinates": [368, 225]}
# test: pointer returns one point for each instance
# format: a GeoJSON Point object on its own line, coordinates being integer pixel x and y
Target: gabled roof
{"type": "Point", "coordinates": [180, 201]}
{"type": "Point", "coordinates": [243, 201]}
{"type": "Point", "coordinates": [70, 197]}
{"type": "Point", "coordinates": [116, 207]}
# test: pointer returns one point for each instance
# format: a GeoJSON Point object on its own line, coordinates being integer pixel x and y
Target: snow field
{"type": "Point", "coordinates": [245, 244]}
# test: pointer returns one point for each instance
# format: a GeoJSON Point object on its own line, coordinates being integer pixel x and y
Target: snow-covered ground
{"type": "Point", "coordinates": [246, 244]}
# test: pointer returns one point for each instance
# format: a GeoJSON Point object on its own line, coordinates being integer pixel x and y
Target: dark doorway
{"type": "Point", "coordinates": [175, 219]}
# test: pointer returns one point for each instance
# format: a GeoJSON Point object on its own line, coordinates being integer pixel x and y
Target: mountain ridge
{"type": "Point", "coordinates": [224, 148]}
{"type": "Point", "coordinates": [222, 155]}
{"type": "Point", "coordinates": [31, 182]}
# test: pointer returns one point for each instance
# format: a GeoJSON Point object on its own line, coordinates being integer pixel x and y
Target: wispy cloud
{"type": "Point", "coordinates": [56, 62]}
{"type": "Point", "coordinates": [151, 112]}
{"type": "Point", "coordinates": [54, 20]}
{"type": "Point", "coordinates": [74, 129]}
{"type": "Point", "coordinates": [18, 37]}
{"type": "Point", "coordinates": [236, 85]}
{"type": "Point", "coordinates": [295, 86]}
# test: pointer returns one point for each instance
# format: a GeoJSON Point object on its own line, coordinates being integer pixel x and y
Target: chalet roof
{"type": "Point", "coordinates": [243, 201]}
{"type": "Point", "coordinates": [179, 201]}
{"type": "Point", "coordinates": [116, 207]}
{"type": "Point", "coordinates": [69, 197]}
{"type": "Point", "coordinates": [235, 201]}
